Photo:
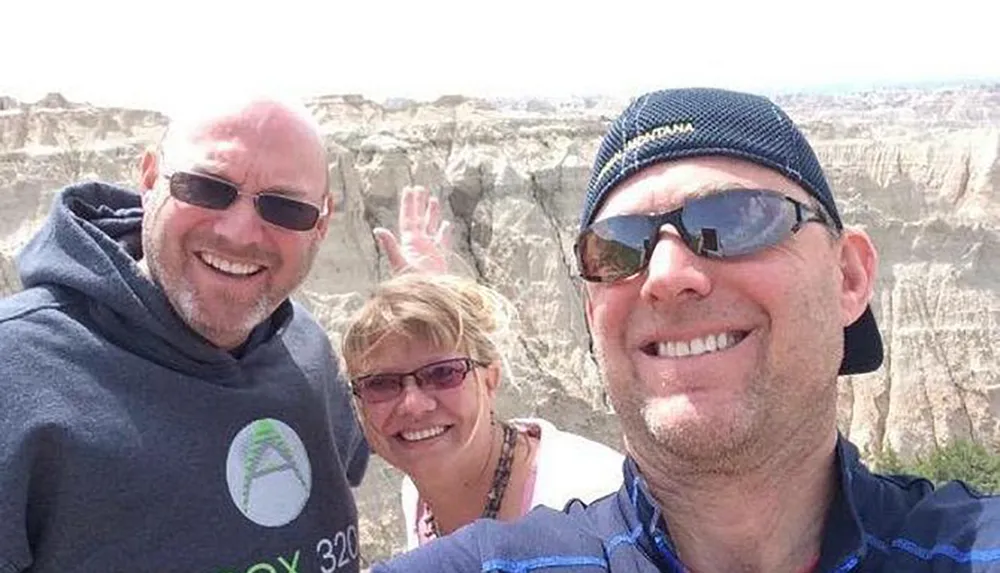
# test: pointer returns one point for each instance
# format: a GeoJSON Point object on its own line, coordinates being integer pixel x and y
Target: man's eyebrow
{"type": "Point", "coordinates": [284, 191]}
{"type": "Point", "coordinates": [206, 170]}
{"type": "Point", "coordinates": [290, 192]}
{"type": "Point", "coordinates": [712, 188]}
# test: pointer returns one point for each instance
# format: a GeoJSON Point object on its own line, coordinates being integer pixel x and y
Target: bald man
{"type": "Point", "coordinates": [165, 405]}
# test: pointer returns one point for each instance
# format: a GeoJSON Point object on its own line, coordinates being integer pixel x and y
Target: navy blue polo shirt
{"type": "Point", "coordinates": [875, 523]}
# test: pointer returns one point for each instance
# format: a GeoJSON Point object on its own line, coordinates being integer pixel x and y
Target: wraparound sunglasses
{"type": "Point", "coordinates": [721, 225]}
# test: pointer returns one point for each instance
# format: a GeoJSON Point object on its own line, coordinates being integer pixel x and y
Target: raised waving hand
{"type": "Point", "coordinates": [424, 239]}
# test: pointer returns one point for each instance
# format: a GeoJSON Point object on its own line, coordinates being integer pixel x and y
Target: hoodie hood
{"type": "Point", "coordinates": [90, 245]}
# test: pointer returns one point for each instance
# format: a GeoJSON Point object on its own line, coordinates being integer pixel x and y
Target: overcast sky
{"type": "Point", "coordinates": [163, 55]}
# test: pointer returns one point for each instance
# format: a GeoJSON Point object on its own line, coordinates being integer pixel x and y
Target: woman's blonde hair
{"type": "Point", "coordinates": [443, 310]}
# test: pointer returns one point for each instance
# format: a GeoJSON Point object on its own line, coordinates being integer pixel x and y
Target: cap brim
{"type": "Point", "coordinates": [862, 345]}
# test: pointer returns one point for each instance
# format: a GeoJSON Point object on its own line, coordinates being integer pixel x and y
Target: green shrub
{"type": "Point", "coordinates": [962, 460]}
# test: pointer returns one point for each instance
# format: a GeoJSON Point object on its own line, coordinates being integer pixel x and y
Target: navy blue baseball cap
{"type": "Point", "coordinates": [674, 124]}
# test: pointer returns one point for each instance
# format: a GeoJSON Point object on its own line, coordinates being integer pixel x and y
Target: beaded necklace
{"type": "Point", "coordinates": [501, 477]}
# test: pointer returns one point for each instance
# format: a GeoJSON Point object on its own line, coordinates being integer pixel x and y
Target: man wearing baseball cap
{"type": "Point", "coordinates": [724, 296]}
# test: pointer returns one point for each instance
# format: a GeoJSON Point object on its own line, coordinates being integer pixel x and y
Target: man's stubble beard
{"type": "Point", "coordinates": [185, 303]}
{"type": "Point", "coordinates": [189, 308]}
{"type": "Point", "coordinates": [712, 444]}
{"type": "Point", "coordinates": [183, 298]}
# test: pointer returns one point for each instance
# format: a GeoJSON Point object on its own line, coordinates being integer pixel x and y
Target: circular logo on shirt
{"type": "Point", "coordinates": [268, 472]}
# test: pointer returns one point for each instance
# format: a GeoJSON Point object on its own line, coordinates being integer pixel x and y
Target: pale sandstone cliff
{"type": "Point", "coordinates": [8, 276]}
{"type": "Point", "coordinates": [920, 170]}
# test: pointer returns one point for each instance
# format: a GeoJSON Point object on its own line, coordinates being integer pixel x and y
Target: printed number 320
{"type": "Point", "coordinates": [334, 555]}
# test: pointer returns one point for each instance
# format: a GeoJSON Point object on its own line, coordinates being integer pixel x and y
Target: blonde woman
{"type": "Point", "coordinates": [423, 360]}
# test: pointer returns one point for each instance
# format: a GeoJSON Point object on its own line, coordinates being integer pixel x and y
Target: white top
{"type": "Point", "coordinates": [567, 467]}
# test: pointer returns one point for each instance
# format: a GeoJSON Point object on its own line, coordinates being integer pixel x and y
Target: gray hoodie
{"type": "Point", "coordinates": [128, 443]}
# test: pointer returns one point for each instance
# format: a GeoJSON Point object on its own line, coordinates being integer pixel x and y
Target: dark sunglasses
{"type": "Point", "coordinates": [213, 193]}
{"type": "Point", "coordinates": [440, 375]}
{"type": "Point", "coordinates": [727, 224]}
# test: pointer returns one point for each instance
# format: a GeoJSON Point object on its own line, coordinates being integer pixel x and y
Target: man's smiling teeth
{"type": "Point", "coordinates": [229, 267]}
{"type": "Point", "coordinates": [710, 343]}
{"type": "Point", "coordinates": [418, 435]}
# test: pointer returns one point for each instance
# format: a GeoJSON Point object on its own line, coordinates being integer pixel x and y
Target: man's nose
{"type": "Point", "coordinates": [674, 270]}
{"type": "Point", "coordinates": [240, 223]}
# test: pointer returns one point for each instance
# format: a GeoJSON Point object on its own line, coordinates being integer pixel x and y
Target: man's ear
{"type": "Point", "coordinates": [323, 225]}
{"type": "Point", "coordinates": [149, 170]}
{"type": "Point", "coordinates": [858, 268]}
